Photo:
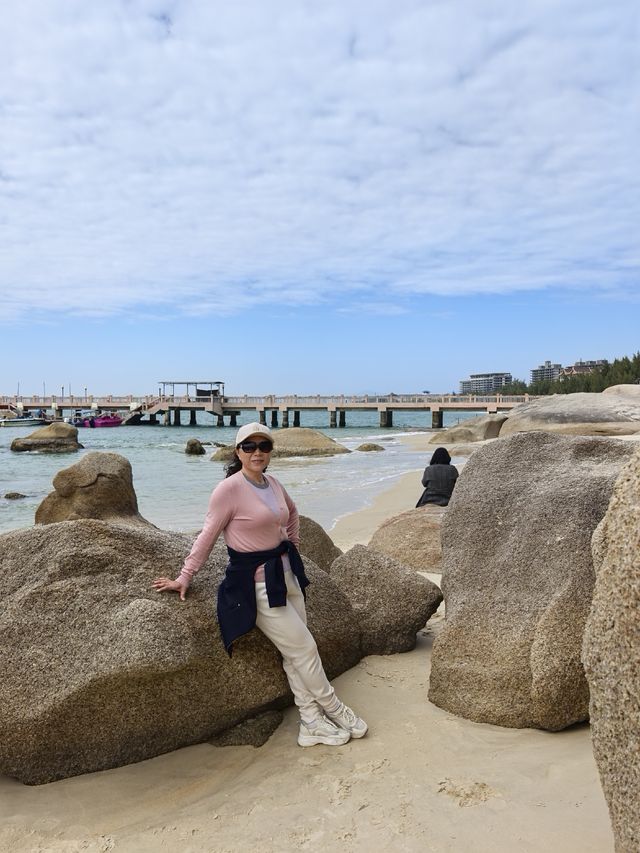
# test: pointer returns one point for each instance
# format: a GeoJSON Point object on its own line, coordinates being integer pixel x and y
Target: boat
{"type": "Point", "coordinates": [102, 419]}
{"type": "Point", "coordinates": [23, 422]}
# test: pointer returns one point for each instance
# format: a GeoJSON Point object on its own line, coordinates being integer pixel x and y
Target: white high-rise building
{"type": "Point", "coordinates": [546, 371]}
{"type": "Point", "coordinates": [485, 383]}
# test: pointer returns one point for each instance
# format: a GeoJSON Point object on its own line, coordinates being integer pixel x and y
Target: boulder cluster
{"type": "Point", "coordinates": [614, 412]}
{"type": "Point", "coordinates": [99, 670]}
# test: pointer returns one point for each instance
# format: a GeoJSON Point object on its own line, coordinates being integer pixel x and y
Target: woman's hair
{"type": "Point", "coordinates": [440, 456]}
{"type": "Point", "coordinates": [234, 465]}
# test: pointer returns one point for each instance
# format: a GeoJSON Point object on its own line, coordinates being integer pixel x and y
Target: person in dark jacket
{"type": "Point", "coordinates": [439, 479]}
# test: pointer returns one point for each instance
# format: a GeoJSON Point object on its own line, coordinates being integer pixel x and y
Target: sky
{"type": "Point", "coordinates": [352, 196]}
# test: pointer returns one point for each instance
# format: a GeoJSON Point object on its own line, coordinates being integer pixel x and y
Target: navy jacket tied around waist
{"type": "Point", "coordinates": [237, 610]}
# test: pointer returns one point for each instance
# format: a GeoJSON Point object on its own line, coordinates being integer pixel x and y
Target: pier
{"type": "Point", "coordinates": [275, 411]}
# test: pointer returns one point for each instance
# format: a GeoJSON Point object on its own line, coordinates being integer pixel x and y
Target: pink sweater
{"type": "Point", "coordinates": [237, 510]}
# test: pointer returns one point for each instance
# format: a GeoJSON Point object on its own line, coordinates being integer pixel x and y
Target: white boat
{"type": "Point", "coordinates": [23, 422]}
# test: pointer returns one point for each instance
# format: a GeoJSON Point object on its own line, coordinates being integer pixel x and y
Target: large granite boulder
{"type": "Point", "coordinates": [471, 429]}
{"type": "Point", "coordinates": [611, 656]}
{"type": "Point", "coordinates": [53, 438]}
{"type": "Point", "coordinates": [316, 544]}
{"type": "Point", "coordinates": [412, 538]}
{"type": "Point", "coordinates": [100, 485]}
{"type": "Point", "coordinates": [624, 391]}
{"type": "Point", "coordinates": [613, 413]}
{"type": "Point", "coordinates": [296, 441]}
{"type": "Point", "coordinates": [99, 670]}
{"type": "Point", "coordinates": [391, 600]}
{"type": "Point", "coordinates": [518, 579]}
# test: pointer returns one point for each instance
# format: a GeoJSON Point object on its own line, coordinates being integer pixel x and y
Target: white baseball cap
{"type": "Point", "coordinates": [252, 429]}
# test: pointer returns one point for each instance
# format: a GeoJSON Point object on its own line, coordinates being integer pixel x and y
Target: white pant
{"type": "Point", "coordinates": [286, 627]}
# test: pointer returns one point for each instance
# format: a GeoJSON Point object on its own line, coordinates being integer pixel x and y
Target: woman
{"type": "Point", "coordinates": [439, 479]}
{"type": "Point", "coordinates": [264, 583]}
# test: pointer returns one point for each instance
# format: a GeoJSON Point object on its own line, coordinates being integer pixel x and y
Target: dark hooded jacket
{"type": "Point", "coordinates": [439, 479]}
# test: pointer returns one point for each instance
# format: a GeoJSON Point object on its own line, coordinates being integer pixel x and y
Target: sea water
{"type": "Point", "coordinates": [173, 489]}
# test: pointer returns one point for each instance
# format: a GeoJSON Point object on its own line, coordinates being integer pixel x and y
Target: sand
{"type": "Point", "coordinates": [358, 527]}
{"type": "Point", "coordinates": [421, 780]}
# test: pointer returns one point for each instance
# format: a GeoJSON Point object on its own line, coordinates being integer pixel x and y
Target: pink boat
{"type": "Point", "coordinates": [103, 420]}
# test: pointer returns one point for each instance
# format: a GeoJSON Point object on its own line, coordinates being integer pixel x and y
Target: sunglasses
{"type": "Point", "coordinates": [251, 446]}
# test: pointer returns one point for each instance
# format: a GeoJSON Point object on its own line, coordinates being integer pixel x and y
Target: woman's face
{"type": "Point", "coordinates": [254, 461]}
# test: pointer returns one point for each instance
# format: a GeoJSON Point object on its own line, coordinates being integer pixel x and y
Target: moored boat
{"type": "Point", "coordinates": [103, 419]}
{"type": "Point", "coordinates": [23, 422]}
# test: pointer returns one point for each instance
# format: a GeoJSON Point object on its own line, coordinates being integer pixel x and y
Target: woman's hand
{"type": "Point", "coordinates": [167, 585]}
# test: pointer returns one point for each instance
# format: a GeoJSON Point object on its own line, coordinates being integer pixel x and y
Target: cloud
{"type": "Point", "coordinates": [164, 156]}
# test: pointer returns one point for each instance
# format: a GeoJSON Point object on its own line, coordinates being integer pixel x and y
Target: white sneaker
{"type": "Point", "coordinates": [345, 718]}
{"type": "Point", "coordinates": [322, 730]}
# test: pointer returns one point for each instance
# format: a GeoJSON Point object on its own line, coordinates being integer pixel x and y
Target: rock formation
{"type": "Point", "coordinates": [412, 538]}
{"type": "Point", "coordinates": [295, 441]}
{"type": "Point", "coordinates": [316, 544]}
{"type": "Point", "coordinates": [100, 670]}
{"type": "Point", "coordinates": [100, 485]}
{"type": "Point", "coordinates": [632, 391]}
{"type": "Point", "coordinates": [472, 429]}
{"type": "Point", "coordinates": [194, 448]}
{"type": "Point", "coordinates": [612, 413]}
{"type": "Point", "coordinates": [53, 438]}
{"type": "Point", "coordinates": [370, 447]}
{"type": "Point", "coordinates": [518, 579]}
{"type": "Point", "coordinates": [379, 588]}
{"type": "Point", "coordinates": [611, 655]}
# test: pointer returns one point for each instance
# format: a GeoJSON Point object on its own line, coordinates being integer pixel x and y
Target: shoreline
{"type": "Point", "coordinates": [357, 528]}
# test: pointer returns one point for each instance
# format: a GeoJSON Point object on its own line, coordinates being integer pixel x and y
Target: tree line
{"type": "Point", "coordinates": [620, 371]}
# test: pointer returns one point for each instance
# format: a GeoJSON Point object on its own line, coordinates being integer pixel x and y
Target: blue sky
{"type": "Point", "coordinates": [315, 198]}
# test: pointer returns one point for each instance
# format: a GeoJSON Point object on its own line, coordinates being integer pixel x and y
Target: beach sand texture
{"type": "Point", "coordinates": [422, 779]}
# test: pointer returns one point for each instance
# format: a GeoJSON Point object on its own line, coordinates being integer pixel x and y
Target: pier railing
{"type": "Point", "coordinates": [270, 400]}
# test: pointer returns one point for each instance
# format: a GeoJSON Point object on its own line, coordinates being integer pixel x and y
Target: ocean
{"type": "Point", "coordinates": [173, 489]}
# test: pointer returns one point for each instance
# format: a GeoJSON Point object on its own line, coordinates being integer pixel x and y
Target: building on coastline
{"type": "Point", "coordinates": [484, 383]}
{"type": "Point", "coordinates": [546, 372]}
{"type": "Point", "coordinates": [580, 368]}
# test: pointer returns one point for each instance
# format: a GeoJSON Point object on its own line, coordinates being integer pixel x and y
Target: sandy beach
{"type": "Point", "coordinates": [421, 780]}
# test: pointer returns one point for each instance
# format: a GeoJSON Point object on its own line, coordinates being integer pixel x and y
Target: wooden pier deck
{"type": "Point", "coordinates": [272, 410]}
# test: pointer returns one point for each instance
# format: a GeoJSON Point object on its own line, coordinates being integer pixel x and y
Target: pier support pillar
{"type": "Point", "coordinates": [176, 417]}
{"type": "Point", "coordinates": [436, 419]}
{"type": "Point", "coordinates": [386, 417]}
{"type": "Point", "coordinates": [153, 419]}
{"type": "Point", "coordinates": [166, 418]}
{"type": "Point", "coordinates": [192, 417]}
{"type": "Point", "coordinates": [220, 421]}
{"type": "Point", "coordinates": [274, 417]}
{"type": "Point", "coordinates": [342, 418]}
{"type": "Point", "coordinates": [285, 419]}
{"type": "Point", "coordinates": [262, 417]}
{"type": "Point", "coordinates": [332, 419]}
{"type": "Point", "coordinates": [296, 419]}
{"type": "Point", "coordinates": [233, 421]}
